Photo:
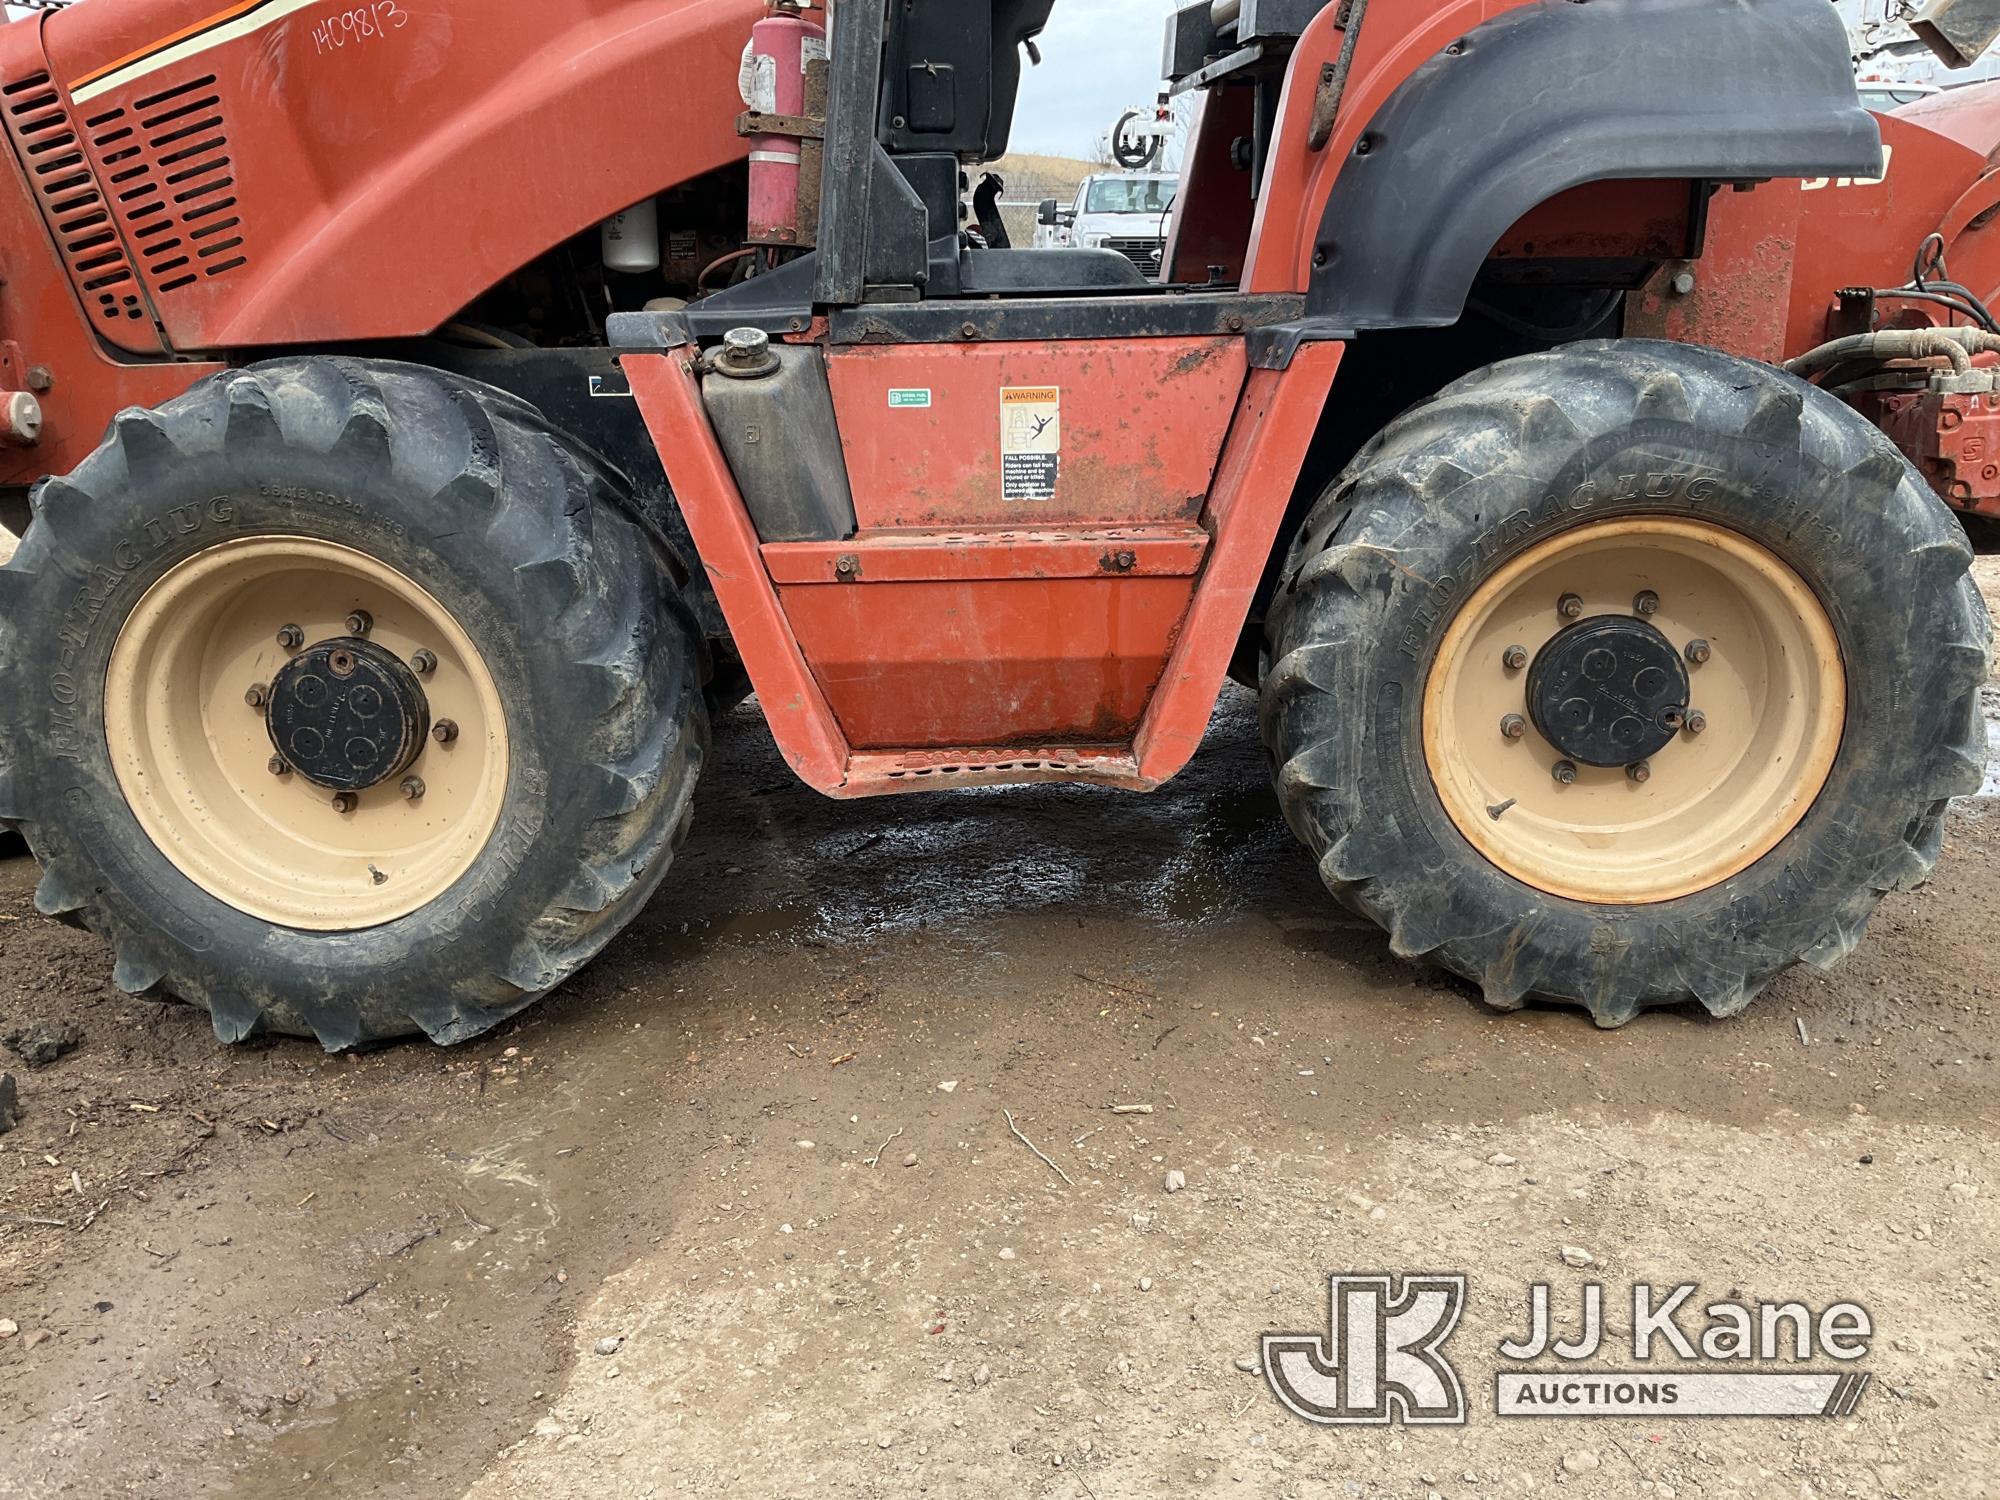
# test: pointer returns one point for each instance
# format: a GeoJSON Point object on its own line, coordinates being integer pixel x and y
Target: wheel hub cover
{"type": "Point", "coordinates": [1609, 691]}
{"type": "Point", "coordinates": [347, 715]}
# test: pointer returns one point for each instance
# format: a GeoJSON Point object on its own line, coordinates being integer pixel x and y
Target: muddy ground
{"type": "Point", "coordinates": [741, 1211]}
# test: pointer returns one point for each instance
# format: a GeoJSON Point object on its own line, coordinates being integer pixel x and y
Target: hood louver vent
{"type": "Point", "coordinates": [166, 164]}
{"type": "Point", "coordinates": [71, 201]}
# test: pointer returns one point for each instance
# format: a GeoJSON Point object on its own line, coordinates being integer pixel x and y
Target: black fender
{"type": "Point", "coordinates": [1561, 93]}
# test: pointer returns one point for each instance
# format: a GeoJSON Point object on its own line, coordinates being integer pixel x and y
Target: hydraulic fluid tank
{"type": "Point", "coordinates": [772, 410]}
{"type": "Point", "coordinates": [774, 83]}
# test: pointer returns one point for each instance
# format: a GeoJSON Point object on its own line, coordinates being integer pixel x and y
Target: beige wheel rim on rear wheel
{"type": "Point", "coordinates": [1772, 692]}
{"type": "Point", "coordinates": [195, 759]}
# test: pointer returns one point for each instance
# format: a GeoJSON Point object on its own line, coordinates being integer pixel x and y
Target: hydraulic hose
{"type": "Point", "coordinates": [1956, 345]}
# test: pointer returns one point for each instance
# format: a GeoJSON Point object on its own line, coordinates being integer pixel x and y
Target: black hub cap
{"type": "Point", "coordinates": [348, 715]}
{"type": "Point", "coordinates": [1609, 691]}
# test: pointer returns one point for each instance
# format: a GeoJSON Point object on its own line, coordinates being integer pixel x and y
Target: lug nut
{"type": "Point", "coordinates": [1699, 652]}
{"type": "Point", "coordinates": [1513, 726]}
{"type": "Point", "coordinates": [1569, 606]}
{"type": "Point", "coordinates": [291, 637]}
{"type": "Point", "coordinates": [1697, 722]}
{"type": "Point", "coordinates": [1515, 657]}
{"type": "Point", "coordinates": [1640, 771]}
{"type": "Point", "coordinates": [257, 695]}
{"type": "Point", "coordinates": [360, 622]}
{"type": "Point", "coordinates": [1564, 772]}
{"type": "Point", "coordinates": [278, 767]}
{"type": "Point", "coordinates": [1648, 603]}
{"type": "Point", "coordinates": [344, 802]}
{"type": "Point", "coordinates": [423, 663]}
{"type": "Point", "coordinates": [444, 731]}
{"type": "Point", "coordinates": [413, 788]}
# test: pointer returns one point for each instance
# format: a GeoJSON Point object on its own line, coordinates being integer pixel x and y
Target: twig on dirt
{"type": "Point", "coordinates": [876, 1159]}
{"type": "Point", "coordinates": [476, 1224]}
{"type": "Point", "coordinates": [1130, 1109]}
{"type": "Point", "coordinates": [1803, 1040]}
{"type": "Point", "coordinates": [307, 1199]}
{"type": "Point", "coordinates": [1164, 1035]}
{"type": "Point", "coordinates": [1112, 984]}
{"type": "Point", "coordinates": [1244, 1407]}
{"type": "Point", "coordinates": [31, 1219]}
{"type": "Point", "coordinates": [91, 1217]}
{"type": "Point", "coordinates": [162, 1254]}
{"type": "Point", "coordinates": [844, 1058]}
{"type": "Point", "coordinates": [1627, 1453]}
{"type": "Point", "coordinates": [410, 1240]}
{"type": "Point", "coordinates": [358, 1293]}
{"type": "Point", "coordinates": [144, 1109]}
{"type": "Point", "coordinates": [1086, 1136]}
{"type": "Point", "coordinates": [1034, 1148]}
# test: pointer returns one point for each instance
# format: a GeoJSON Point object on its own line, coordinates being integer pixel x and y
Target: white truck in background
{"type": "Point", "coordinates": [1123, 211]}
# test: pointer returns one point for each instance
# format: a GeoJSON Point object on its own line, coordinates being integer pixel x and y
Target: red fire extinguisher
{"type": "Point", "coordinates": [774, 83]}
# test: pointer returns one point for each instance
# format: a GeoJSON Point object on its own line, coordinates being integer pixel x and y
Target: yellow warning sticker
{"type": "Point", "coordinates": [1030, 442]}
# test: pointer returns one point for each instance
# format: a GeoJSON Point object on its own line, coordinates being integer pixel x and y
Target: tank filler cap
{"type": "Point", "coordinates": [745, 354]}
{"type": "Point", "coordinates": [20, 419]}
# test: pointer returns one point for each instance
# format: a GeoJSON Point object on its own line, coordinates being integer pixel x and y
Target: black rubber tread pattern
{"type": "Point", "coordinates": [1518, 452]}
{"type": "Point", "coordinates": [466, 490]}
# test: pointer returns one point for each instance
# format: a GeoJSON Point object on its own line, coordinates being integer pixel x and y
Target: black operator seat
{"type": "Point", "coordinates": [953, 74]}
{"type": "Point", "coordinates": [951, 81]}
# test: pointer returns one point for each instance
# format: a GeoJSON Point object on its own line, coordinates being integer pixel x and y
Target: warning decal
{"type": "Point", "coordinates": [1030, 442]}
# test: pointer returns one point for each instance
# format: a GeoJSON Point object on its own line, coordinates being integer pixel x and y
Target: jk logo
{"type": "Point", "coordinates": [1380, 1359]}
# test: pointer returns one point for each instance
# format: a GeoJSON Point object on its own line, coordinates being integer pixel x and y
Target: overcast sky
{"type": "Point", "coordinates": [1099, 57]}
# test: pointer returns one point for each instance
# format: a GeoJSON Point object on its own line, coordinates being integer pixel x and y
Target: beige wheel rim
{"type": "Point", "coordinates": [1771, 699]}
{"type": "Point", "coordinates": [195, 759]}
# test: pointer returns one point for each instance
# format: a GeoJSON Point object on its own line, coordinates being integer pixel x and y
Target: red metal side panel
{"type": "Point", "coordinates": [1857, 232]}
{"type": "Point", "coordinates": [1969, 116]}
{"type": "Point", "coordinates": [1011, 647]}
{"type": "Point", "coordinates": [1260, 469]}
{"type": "Point", "coordinates": [988, 663]}
{"type": "Point", "coordinates": [1213, 206]}
{"type": "Point", "coordinates": [1741, 299]}
{"type": "Point", "coordinates": [1142, 422]}
{"type": "Point", "coordinates": [930, 640]}
{"type": "Point", "coordinates": [386, 161]}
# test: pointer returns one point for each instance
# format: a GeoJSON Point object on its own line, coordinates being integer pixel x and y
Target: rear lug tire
{"type": "Point", "coordinates": [1785, 553]}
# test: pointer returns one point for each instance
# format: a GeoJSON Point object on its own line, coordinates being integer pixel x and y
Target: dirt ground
{"type": "Point", "coordinates": [741, 1211]}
